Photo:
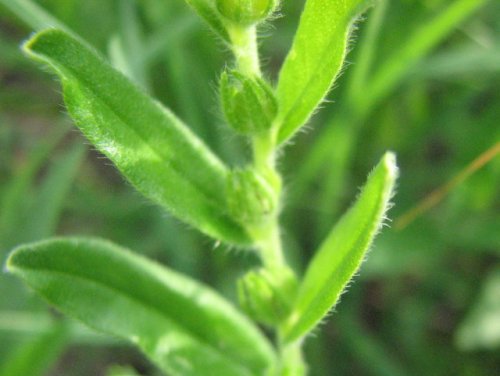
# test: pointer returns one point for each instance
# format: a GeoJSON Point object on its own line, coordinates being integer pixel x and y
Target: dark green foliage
{"type": "Point", "coordinates": [421, 80]}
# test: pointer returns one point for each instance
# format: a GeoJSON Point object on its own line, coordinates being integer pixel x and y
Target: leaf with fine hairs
{"type": "Point", "coordinates": [314, 61]}
{"type": "Point", "coordinates": [342, 252]}
{"type": "Point", "coordinates": [184, 327]}
{"type": "Point", "coordinates": [150, 146]}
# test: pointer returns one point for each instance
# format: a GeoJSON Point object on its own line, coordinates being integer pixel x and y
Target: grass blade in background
{"type": "Point", "coordinates": [370, 352]}
{"type": "Point", "coordinates": [29, 324]}
{"type": "Point", "coordinates": [45, 211]}
{"type": "Point", "coordinates": [481, 327]}
{"type": "Point", "coordinates": [33, 14]}
{"type": "Point", "coordinates": [455, 63]}
{"type": "Point", "coordinates": [35, 357]}
{"type": "Point", "coordinates": [183, 326]}
{"type": "Point", "coordinates": [341, 254]}
{"type": "Point", "coordinates": [314, 61]}
{"type": "Point", "coordinates": [366, 50]}
{"type": "Point", "coordinates": [162, 158]}
{"type": "Point", "coordinates": [16, 196]}
{"type": "Point", "coordinates": [125, 49]}
{"type": "Point", "coordinates": [345, 126]}
{"type": "Point", "coordinates": [416, 47]}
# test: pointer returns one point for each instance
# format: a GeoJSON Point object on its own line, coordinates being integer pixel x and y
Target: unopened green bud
{"type": "Point", "coordinates": [251, 199]}
{"type": "Point", "coordinates": [246, 12]}
{"type": "Point", "coordinates": [248, 103]}
{"type": "Point", "coordinates": [267, 295]}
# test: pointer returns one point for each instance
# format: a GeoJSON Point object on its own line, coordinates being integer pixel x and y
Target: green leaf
{"type": "Point", "coordinates": [342, 252]}
{"type": "Point", "coordinates": [158, 154]}
{"type": "Point", "coordinates": [416, 46]}
{"type": "Point", "coordinates": [33, 14]}
{"type": "Point", "coordinates": [183, 326]}
{"type": "Point", "coordinates": [36, 356]}
{"type": "Point", "coordinates": [314, 61]}
{"type": "Point", "coordinates": [208, 11]}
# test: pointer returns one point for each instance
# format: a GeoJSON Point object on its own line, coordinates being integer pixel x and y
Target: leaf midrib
{"type": "Point", "coordinates": [175, 169]}
{"type": "Point", "coordinates": [323, 63]}
{"type": "Point", "coordinates": [359, 239]}
{"type": "Point", "coordinates": [321, 292]}
{"type": "Point", "coordinates": [142, 303]}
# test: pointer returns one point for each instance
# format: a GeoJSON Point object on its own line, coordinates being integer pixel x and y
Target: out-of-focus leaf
{"type": "Point", "coordinates": [44, 213]}
{"type": "Point", "coordinates": [460, 62]}
{"type": "Point", "coordinates": [25, 324]}
{"type": "Point", "coordinates": [36, 356]}
{"type": "Point", "coordinates": [162, 158]}
{"type": "Point", "coordinates": [314, 60]}
{"type": "Point", "coordinates": [17, 195]}
{"type": "Point", "coordinates": [121, 371]}
{"type": "Point", "coordinates": [183, 326]}
{"type": "Point", "coordinates": [208, 11]}
{"type": "Point", "coordinates": [378, 86]}
{"type": "Point", "coordinates": [126, 48]}
{"type": "Point", "coordinates": [370, 351]}
{"type": "Point", "coordinates": [481, 327]}
{"type": "Point", "coordinates": [341, 254]}
{"type": "Point", "coordinates": [33, 14]}
{"type": "Point", "coordinates": [417, 45]}
{"type": "Point", "coordinates": [366, 49]}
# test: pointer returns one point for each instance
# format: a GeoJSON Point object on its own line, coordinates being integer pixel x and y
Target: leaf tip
{"type": "Point", "coordinates": [28, 45]}
{"type": "Point", "coordinates": [40, 41]}
{"type": "Point", "coordinates": [10, 263]}
{"type": "Point", "coordinates": [390, 165]}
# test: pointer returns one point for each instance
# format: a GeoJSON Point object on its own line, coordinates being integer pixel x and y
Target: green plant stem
{"type": "Point", "coordinates": [267, 235]}
{"type": "Point", "coordinates": [264, 151]}
{"type": "Point", "coordinates": [292, 360]}
{"type": "Point", "coordinates": [268, 238]}
{"type": "Point", "coordinates": [245, 49]}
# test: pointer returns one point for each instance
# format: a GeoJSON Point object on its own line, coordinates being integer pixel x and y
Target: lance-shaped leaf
{"type": "Point", "coordinates": [181, 325]}
{"type": "Point", "coordinates": [207, 10]}
{"type": "Point", "coordinates": [162, 158]}
{"type": "Point", "coordinates": [314, 61]}
{"type": "Point", "coordinates": [342, 252]}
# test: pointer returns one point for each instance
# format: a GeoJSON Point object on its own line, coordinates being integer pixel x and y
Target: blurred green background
{"type": "Point", "coordinates": [422, 79]}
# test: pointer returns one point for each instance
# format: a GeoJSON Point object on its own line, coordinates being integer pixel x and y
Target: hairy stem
{"type": "Point", "coordinates": [245, 49]}
{"type": "Point", "coordinates": [292, 360]}
{"type": "Point", "coordinates": [266, 235]}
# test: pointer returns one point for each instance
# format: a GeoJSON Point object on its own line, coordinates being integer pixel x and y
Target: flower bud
{"type": "Point", "coordinates": [251, 199]}
{"type": "Point", "coordinates": [248, 103]}
{"type": "Point", "coordinates": [267, 295]}
{"type": "Point", "coordinates": [246, 12]}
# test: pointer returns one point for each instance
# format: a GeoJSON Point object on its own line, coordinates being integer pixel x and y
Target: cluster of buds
{"type": "Point", "coordinates": [246, 12]}
{"type": "Point", "coordinates": [251, 198]}
{"type": "Point", "coordinates": [267, 295]}
{"type": "Point", "coordinates": [248, 103]}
